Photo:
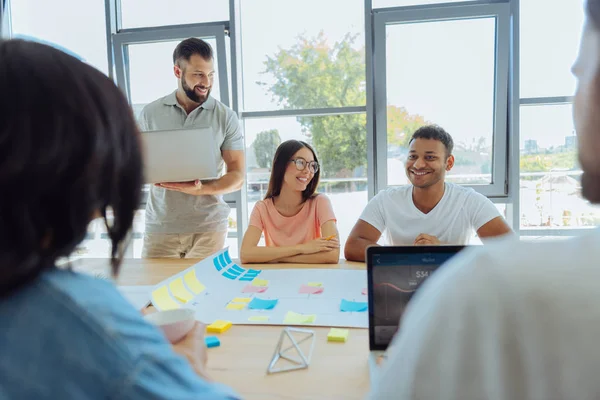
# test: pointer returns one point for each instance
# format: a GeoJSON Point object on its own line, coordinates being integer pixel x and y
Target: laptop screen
{"type": "Point", "coordinates": [394, 274]}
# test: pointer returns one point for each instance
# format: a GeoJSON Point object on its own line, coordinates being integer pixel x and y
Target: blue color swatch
{"type": "Point", "coordinates": [247, 278]}
{"type": "Point", "coordinates": [227, 275]}
{"type": "Point", "coordinates": [227, 258]}
{"type": "Point", "coordinates": [237, 269]}
{"type": "Point", "coordinates": [217, 264]}
{"type": "Point", "coordinates": [353, 306]}
{"type": "Point", "coordinates": [261, 304]}
{"type": "Point", "coordinates": [254, 271]}
{"type": "Point", "coordinates": [212, 341]}
{"type": "Point", "coordinates": [222, 260]}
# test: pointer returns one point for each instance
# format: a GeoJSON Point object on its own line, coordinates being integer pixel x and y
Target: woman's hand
{"type": "Point", "coordinates": [319, 245]}
{"type": "Point", "coordinates": [193, 348]}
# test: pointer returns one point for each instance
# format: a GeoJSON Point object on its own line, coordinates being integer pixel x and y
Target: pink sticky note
{"type": "Point", "coordinates": [254, 289]}
{"type": "Point", "coordinates": [305, 289]}
{"type": "Point", "coordinates": [364, 291]}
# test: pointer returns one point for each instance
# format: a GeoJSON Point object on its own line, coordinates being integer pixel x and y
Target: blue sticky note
{"type": "Point", "coordinates": [261, 304]}
{"type": "Point", "coordinates": [232, 271]}
{"type": "Point", "coordinates": [222, 260]}
{"type": "Point", "coordinates": [227, 275]}
{"type": "Point", "coordinates": [217, 264]}
{"type": "Point", "coordinates": [247, 278]}
{"type": "Point", "coordinates": [212, 341]}
{"type": "Point", "coordinates": [353, 306]}
{"type": "Point", "coordinates": [254, 271]}
{"type": "Point", "coordinates": [227, 258]}
{"type": "Point", "coordinates": [237, 268]}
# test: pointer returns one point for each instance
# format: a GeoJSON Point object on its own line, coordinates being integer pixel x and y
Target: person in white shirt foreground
{"type": "Point", "coordinates": [512, 320]}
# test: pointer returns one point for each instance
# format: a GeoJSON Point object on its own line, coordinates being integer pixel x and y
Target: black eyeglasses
{"type": "Point", "coordinates": [301, 164]}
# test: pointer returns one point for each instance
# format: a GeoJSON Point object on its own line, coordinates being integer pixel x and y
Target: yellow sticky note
{"type": "Point", "coordinates": [193, 282]}
{"type": "Point", "coordinates": [292, 318]}
{"type": "Point", "coordinates": [260, 282]}
{"type": "Point", "coordinates": [338, 335]}
{"type": "Point", "coordinates": [314, 284]}
{"type": "Point", "coordinates": [179, 291]}
{"type": "Point", "coordinates": [163, 300]}
{"type": "Point", "coordinates": [218, 326]}
{"type": "Point", "coordinates": [241, 300]}
{"type": "Point", "coordinates": [259, 318]}
{"type": "Point", "coordinates": [233, 306]}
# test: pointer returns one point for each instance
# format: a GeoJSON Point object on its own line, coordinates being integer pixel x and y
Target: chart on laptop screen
{"type": "Point", "coordinates": [396, 277]}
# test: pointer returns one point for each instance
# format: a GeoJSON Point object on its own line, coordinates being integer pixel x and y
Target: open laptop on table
{"type": "Point", "coordinates": [394, 274]}
{"type": "Point", "coordinates": [179, 155]}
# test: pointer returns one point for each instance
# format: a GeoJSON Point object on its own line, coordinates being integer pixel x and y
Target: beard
{"type": "Point", "coordinates": [190, 92]}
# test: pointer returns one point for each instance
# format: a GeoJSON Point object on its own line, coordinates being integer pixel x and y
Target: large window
{"type": "Point", "coordinates": [550, 32]}
{"type": "Point", "coordinates": [304, 78]}
{"type": "Point", "coordinates": [296, 56]}
{"type": "Point", "coordinates": [75, 26]}
{"type": "Point", "coordinates": [312, 70]}
{"type": "Point", "coordinates": [446, 65]}
{"type": "Point", "coordinates": [434, 70]}
{"type": "Point", "coordinates": [145, 13]}
{"type": "Point", "coordinates": [550, 188]}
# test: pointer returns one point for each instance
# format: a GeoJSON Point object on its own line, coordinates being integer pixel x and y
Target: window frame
{"type": "Point", "coordinates": [499, 187]}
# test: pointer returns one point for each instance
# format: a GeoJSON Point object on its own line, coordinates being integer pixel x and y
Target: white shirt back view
{"type": "Point", "coordinates": [460, 212]}
{"type": "Point", "coordinates": [505, 321]}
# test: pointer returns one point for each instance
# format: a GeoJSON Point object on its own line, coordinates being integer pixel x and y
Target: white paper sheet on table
{"type": "Point", "coordinates": [215, 289]}
{"type": "Point", "coordinates": [138, 296]}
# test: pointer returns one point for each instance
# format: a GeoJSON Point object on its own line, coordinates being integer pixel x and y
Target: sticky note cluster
{"type": "Point", "coordinates": [179, 291]}
{"type": "Point", "coordinates": [235, 306]}
{"type": "Point", "coordinates": [212, 341]}
{"type": "Point", "coordinates": [305, 289]}
{"type": "Point", "coordinates": [254, 289]}
{"type": "Point", "coordinates": [353, 306]}
{"type": "Point", "coordinates": [262, 304]}
{"type": "Point", "coordinates": [260, 282]}
{"type": "Point", "coordinates": [193, 283]}
{"type": "Point", "coordinates": [337, 335]}
{"type": "Point", "coordinates": [162, 300]}
{"type": "Point", "coordinates": [238, 303]}
{"type": "Point", "coordinates": [293, 318]}
{"type": "Point", "coordinates": [218, 326]}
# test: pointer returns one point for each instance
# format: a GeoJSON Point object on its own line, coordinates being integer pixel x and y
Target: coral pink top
{"type": "Point", "coordinates": [290, 231]}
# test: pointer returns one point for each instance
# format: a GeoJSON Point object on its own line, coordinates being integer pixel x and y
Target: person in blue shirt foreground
{"type": "Point", "coordinates": [70, 152]}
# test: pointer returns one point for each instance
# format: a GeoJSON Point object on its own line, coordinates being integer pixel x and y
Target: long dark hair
{"type": "Point", "coordinates": [69, 151]}
{"type": "Point", "coordinates": [283, 155]}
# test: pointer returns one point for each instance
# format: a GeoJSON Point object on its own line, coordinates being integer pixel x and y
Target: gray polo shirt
{"type": "Point", "coordinates": [168, 211]}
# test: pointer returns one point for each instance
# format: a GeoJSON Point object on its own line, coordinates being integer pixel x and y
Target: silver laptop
{"type": "Point", "coordinates": [394, 274]}
{"type": "Point", "coordinates": [179, 155]}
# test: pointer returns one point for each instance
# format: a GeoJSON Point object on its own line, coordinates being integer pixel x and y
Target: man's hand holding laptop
{"type": "Point", "coordinates": [191, 187]}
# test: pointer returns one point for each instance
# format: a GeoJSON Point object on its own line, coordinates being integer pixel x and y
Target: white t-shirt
{"type": "Point", "coordinates": [509, 320]}
{"type": "Point", "coordinates": [453, 220]}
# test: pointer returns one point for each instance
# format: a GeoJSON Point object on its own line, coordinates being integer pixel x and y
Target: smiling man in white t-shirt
{"type": "Point", "coordinates": [430, 211]}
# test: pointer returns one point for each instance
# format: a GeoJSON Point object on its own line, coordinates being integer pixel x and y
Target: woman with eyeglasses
{"type": "Point", "coordinates": [299, 225]}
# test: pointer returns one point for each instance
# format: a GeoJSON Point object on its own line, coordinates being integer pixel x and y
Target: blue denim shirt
{"type": "Point", "coordinates": [71, 336]}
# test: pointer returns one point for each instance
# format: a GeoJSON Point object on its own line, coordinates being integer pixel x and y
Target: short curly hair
{"type": "Point", "coordinates": [437, 133]}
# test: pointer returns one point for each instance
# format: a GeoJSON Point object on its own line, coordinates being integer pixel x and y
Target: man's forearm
{"type": "Point", "coordinates": [355, 249]}
{"type": "Point", "coordinates": [230, 182]}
